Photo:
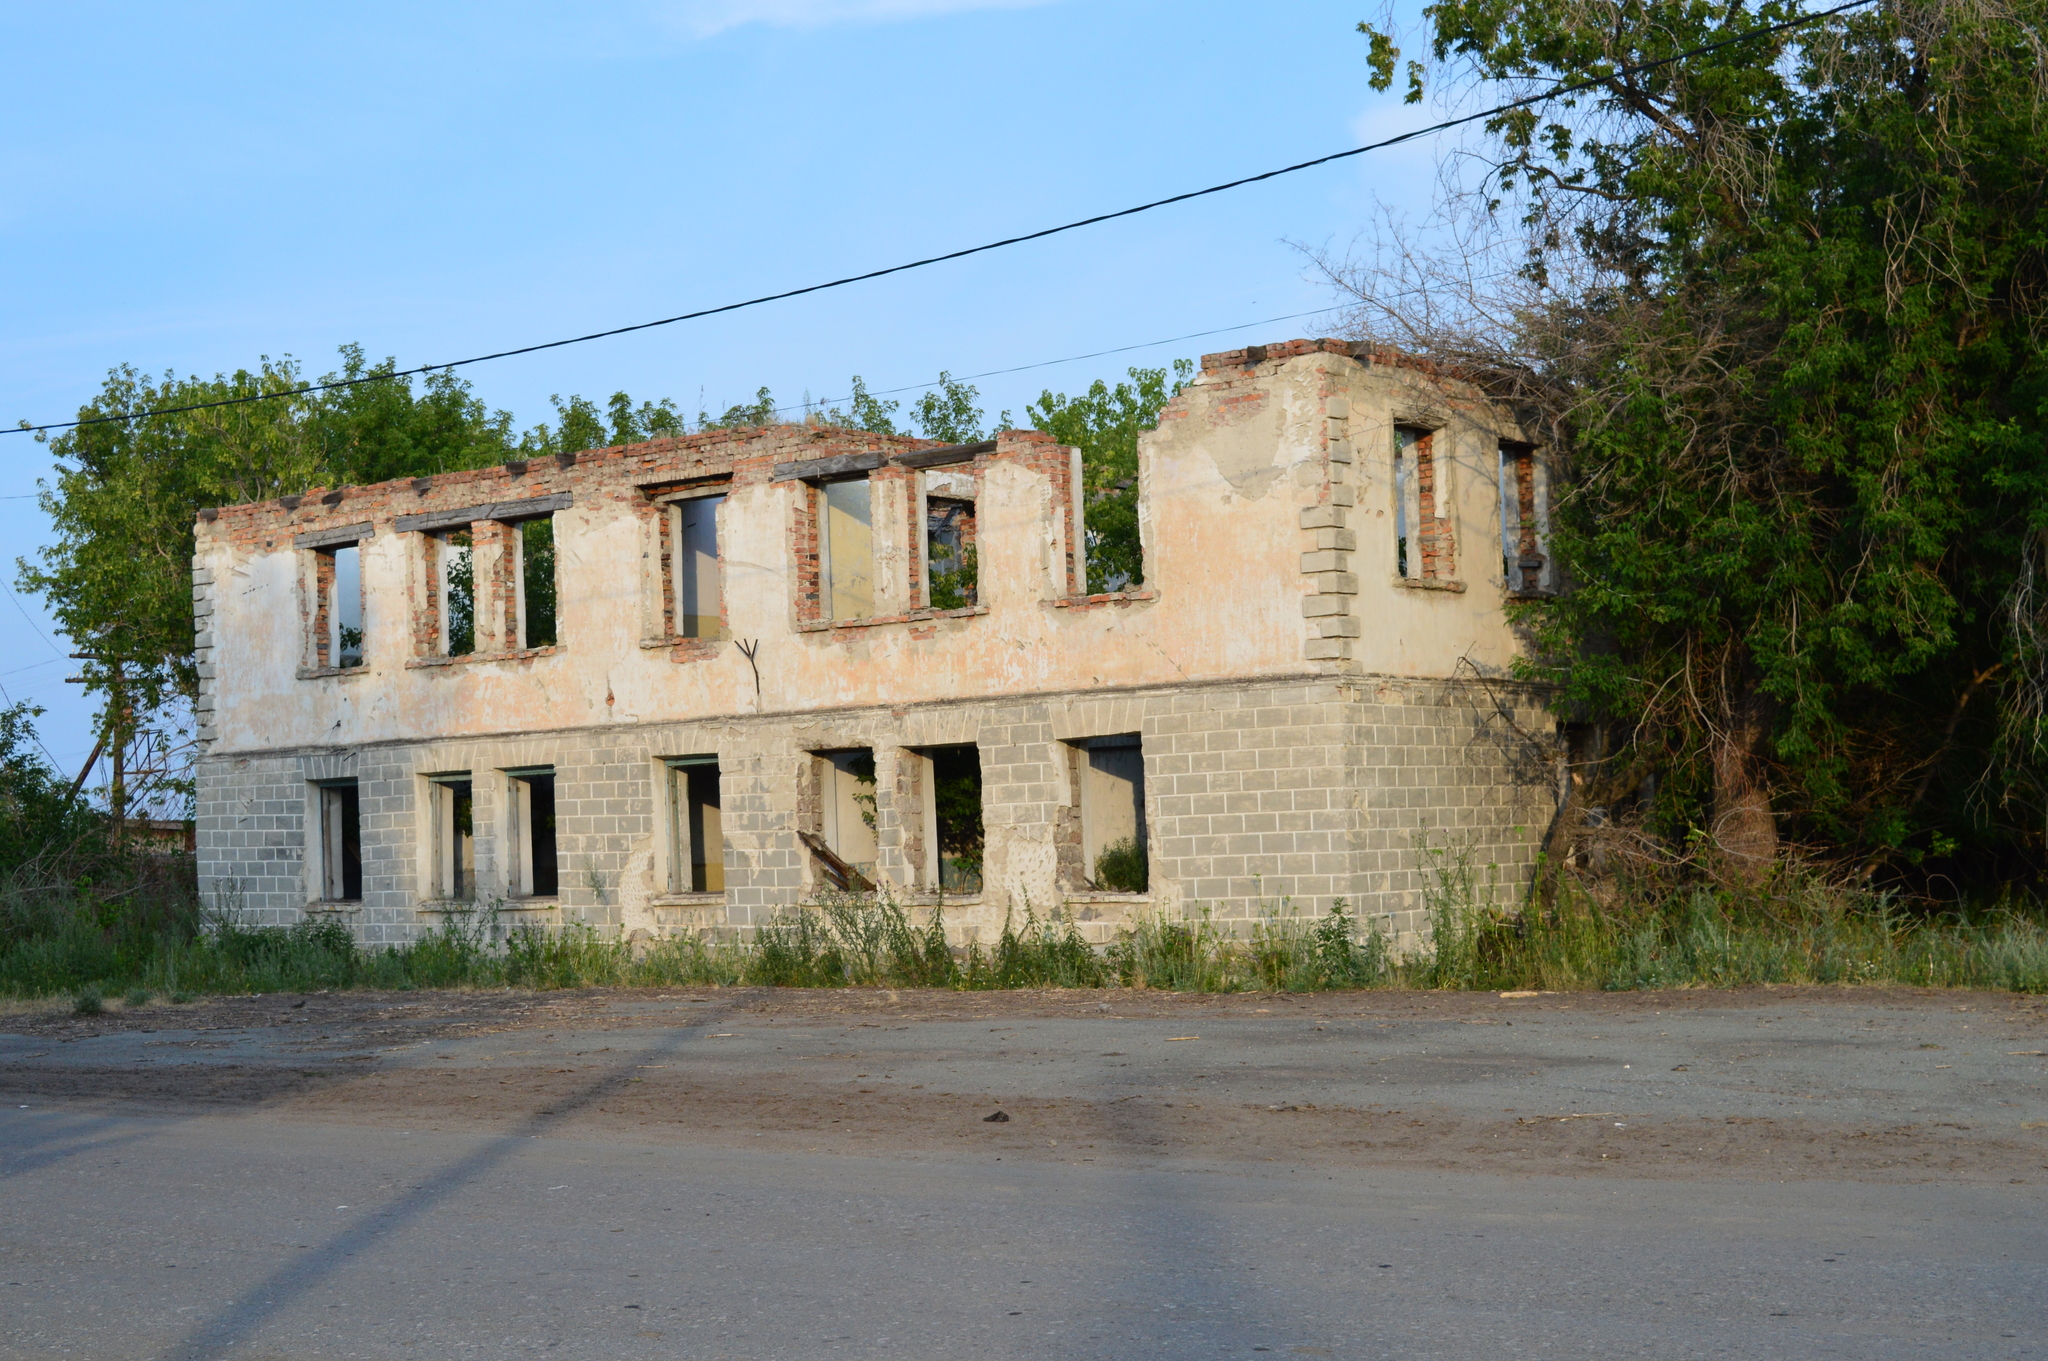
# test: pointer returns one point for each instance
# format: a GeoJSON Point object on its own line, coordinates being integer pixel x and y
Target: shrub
{"type": "Point", "coordinates": [1121, 867]}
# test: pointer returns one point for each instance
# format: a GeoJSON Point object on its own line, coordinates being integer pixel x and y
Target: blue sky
{"type": "Point", "coordinates": [191, 187]}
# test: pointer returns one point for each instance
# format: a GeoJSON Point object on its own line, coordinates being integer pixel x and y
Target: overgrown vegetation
{"type": "Point", "coordinates": [126, 494]}
{"type": "Point", "coordinates": [1775, 310]}
{"type": "Point", "coordinates": [84, 919]}
{"type": "Point", "coordinates": [1122, 867]}
{"type": "Point", "coordinates": [1701, 940]}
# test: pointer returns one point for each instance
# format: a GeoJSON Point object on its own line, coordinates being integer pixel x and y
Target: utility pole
{"type": "Point", "coordinates": [117, 800]}
{"type": "Point", "coordinates": [115, 735]}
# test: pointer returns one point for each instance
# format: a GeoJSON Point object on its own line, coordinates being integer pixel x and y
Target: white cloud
{"type": "Point", "coordinates": [702, 18]}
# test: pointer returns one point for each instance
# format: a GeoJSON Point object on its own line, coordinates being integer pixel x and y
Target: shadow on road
{"type": "Point", "coordinates": [265, 1299]}
{"type": "Point", "coordinates": [52, 1139]}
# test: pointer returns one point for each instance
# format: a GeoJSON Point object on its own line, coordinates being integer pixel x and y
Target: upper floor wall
{"type": "Point", "coordinates": [1304, 509]}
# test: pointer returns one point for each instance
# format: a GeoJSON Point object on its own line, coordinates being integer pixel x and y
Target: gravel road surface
{"type": "Point", "coordinates": [748, 1173]}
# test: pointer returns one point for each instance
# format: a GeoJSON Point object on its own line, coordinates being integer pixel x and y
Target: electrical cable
{"type": "Point", "coordinates": [1070, 359]}
{"type": "Point", "coordinates": [1556, 92]}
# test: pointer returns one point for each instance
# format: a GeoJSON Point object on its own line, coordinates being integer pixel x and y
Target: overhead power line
{"type": "Point", "coordinates": [1070, 359]}
{"type": "Point", "coordinates": [1556, 92]}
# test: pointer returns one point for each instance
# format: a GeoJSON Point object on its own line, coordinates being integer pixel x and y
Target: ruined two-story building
{"type": "Point", "coordinates": [686, 684]}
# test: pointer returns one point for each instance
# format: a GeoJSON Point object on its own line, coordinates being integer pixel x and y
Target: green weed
{"type": "Point", "coordinates": [71, 942]}
{"type": "Point", "coordinates": [1121, 867]}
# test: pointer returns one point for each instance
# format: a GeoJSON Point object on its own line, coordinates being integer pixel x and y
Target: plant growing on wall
{"type": "Point", "coordinates": [1121, 868]}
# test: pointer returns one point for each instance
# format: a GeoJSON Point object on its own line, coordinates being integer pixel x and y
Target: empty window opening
{"type": "Point", "coordinates": [458, 594]}
{"type": "Point", "coordinates": [700, 595]}
{"type": "Point", "coordinates": [1112, 797]}
{"type": "Point", "coordinates": [454, 840]}
{"type": "Point", "coordinates": [696, 862]}
{"type": "Point", "coordinates": [848, 547]}
{"type": "Point", "coordinates": [341, 842]}
{"type": "Point", "coordinates": [341, 582]}
{"type": "Point", "coordinates": [1422, 538]}
{"type": "Point", "coordinates": [846, 807]}
{"type": "Point", "coordinates": [953, 837]}
{"type": "Point", "coordinates": [1522, 540]}
{"type": "Point", "coordinates": [533, 834]}
{"type": "Point", "coordinates": [1115, 548]}
{"type": "Point", "coordinates": [537, 582]}
{"type": "Point", "coordinates": [951, 558]}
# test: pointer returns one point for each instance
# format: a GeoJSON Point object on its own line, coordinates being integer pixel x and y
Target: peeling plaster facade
{"type": "Point", "coordinates": [1309, 721]}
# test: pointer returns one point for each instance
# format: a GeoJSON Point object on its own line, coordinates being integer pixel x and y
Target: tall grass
{"type": "Point", "coordinates": [1800, 932]}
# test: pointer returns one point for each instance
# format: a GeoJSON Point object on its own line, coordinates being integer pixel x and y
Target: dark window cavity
{"type": "Point", "coordinates": [953, 828]}
{"type": "Point", "coordinates": [533, 834]}
{"type": "Point", "coordinates": [341, 842]}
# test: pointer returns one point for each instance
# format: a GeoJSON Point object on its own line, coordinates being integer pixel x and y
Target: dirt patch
{"type": "Point", "coordinates": [298, 1073]}
{"type": "Point", "coordinates": [407, 1016]}
{"type": "Point", "coordinates": [782, 1111]}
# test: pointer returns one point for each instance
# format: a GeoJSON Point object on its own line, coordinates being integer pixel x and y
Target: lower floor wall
{"type": "Point", "coordinates": [1258, 799]}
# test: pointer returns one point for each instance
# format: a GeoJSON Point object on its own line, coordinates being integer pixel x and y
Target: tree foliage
{"type": "Point", "coordinates": [118, 576]}
{"type": "Point", "coordinates": [1779, 307]}
{"type": "Point", "coordinates": [36, 811]}
{"type": "Point", "coordinates": [126, 493]}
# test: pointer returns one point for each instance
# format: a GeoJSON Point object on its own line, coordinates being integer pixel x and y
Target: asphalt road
{"type": "Point", "coordinates": [703, 1177]}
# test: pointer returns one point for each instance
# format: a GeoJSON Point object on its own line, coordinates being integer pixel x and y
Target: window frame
{"type": "Point", "coordinates": [827, 591]}
{"type": "Point", "coordinates": [673, 509]}
{"type": "Point", "coordinates": [1089, 777]}
{"type": "Point", "coordinates": [444, 840]}
{"type": "Point", "coordinates": [327, 622]}
{"type": "Point", "coordinates": [525, 879]}
{"type": "Point", "coordinates": [514, 530]}
{"type": "Point", "coordinates": [965, 543]}
{"type": "Point", "coordinates": [332, 800]}
{"type": "Point", "coordinates": [1425, 537]}
{"type": "Point", "coordinates": [1525, 536]}
{"type": "Point", "coordinates": [687, 837]}
{"type": "Point", "coordinates": [443, 550]}
{"type": "Point", "coordinates": [829, 814]}
{"type": "Point", "coordinates": [930, 872]}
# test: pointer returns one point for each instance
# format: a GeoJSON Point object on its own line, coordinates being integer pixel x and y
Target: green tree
{"type": "Point", "coordinates": [1104, 423]}
{"type": "Point", "coordinates": [948, 412]}
{"type": "Point", "coordinates": [1779, 307]}
{"type": "Point", "coordinates": [378, 428]}
{"type": "Point", "coordinates": [580, 424]}
{"type": "Point", "coordinates": [742, 415]}
{"type": "Point", "coordinates": [865, 411]}
{"type": "Point", "coordinates": [126, 493]}
{"type": "Point", "coordinates": [37, 814]}
{"type": "Point", "coordinates": [118, 577]}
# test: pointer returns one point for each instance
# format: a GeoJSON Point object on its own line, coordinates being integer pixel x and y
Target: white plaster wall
{"type": "Point", "coordinates": [1223, 487]}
